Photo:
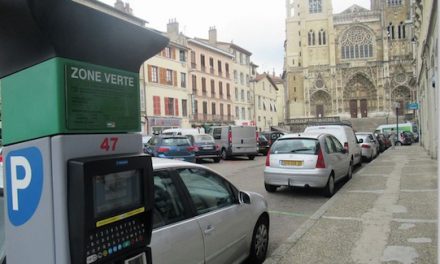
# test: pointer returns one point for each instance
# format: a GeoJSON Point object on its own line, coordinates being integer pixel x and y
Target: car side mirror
{"type": "Point", "coordinates": [244, 198]}
{"type": "Point", "coordinates": [360, 140]}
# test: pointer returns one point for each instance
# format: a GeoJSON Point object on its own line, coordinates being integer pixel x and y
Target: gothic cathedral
{"type": "Point", "coordinates": [355, 64]}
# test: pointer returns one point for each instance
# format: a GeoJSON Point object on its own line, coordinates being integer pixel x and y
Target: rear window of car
{"type": "Point", "coordinates": [203, 138]}
{"type": "Point", "coordinates": [364, 137]}
{"type": "Point", "coordinates": [175, 142]}
{"type": "Point", "coordinates": [295, 145]}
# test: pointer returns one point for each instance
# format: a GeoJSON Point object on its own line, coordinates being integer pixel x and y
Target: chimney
{"type": "Point", "coordinates": [128, 9]}
{"type": "Point", "coordinates": [173, 27]}
{"type": "Point", "coordinates": [212, 35]}
{"type": "Point", "coordinates": [119, 5]}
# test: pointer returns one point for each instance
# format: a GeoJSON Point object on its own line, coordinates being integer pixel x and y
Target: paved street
{"type": "Point", "coordinates": [289, 207]}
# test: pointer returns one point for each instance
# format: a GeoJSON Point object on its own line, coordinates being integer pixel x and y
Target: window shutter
{"type": "Point", "coordinates": [156, 105]}
{"type": "Point", "coordinates": [176, 106]}
{"type": "Point", "coordinates": [162, 76]}
{"type": "Point", "coordinates": [173, 53]}
{"type": "Point", "coordinates": [149, 73]}
{"type": "Point", "coordinates": [175, 78]}
{"type": "Point", "coordinates": [166, 106]}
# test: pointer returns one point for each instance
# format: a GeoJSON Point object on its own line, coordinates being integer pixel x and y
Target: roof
{"type": "Point", "coordinates": [260, 77]}
{"type": "Point", "coordinates": [235, 47]}
{"type": "Point", "coordinates": [203, 44]}
{"type": "Point", "coordinates": [103, 7]}
{"type": "Point", "coordinates": [354, 9]}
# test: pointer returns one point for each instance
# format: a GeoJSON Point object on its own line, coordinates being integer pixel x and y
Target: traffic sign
{"type": "Point", "coordinates": [24, 183]}
{"type": "Point", "coordinates": [412, 106]}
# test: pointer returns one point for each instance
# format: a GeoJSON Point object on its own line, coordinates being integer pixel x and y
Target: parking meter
{"type": "Point", "coordinates": [78, 189]}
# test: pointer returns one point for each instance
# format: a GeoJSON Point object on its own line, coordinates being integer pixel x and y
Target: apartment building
{"type": "Point", "coordinates": [242, 96]}
{"type": "Point", "coordinates": [281, 98]}
{"type": "Point", "coordinates": [266, 102]}
{"type": "Point", "coordinates": [164, 90]}
{"type": "Point", "coordinates": [210, 81]}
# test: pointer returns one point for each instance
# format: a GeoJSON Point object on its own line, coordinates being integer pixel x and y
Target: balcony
{"type": "Point", "coordinates": [204, 92]}
{"type": "Point", "coordinates": [220, 74]}
{"type": "Point", "coordinates": [211, 70]}
{"type": "Point", "coordinates": [228, 75]}
{"type": "Point", "coordinates": [203, 68]}
{"type": "Point", "coordinates": [199, 117]}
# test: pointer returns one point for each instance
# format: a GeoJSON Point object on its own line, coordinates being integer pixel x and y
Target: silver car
{"type": "Point", "coordinates": [369, 145]}
{"type": "Point", "coordinates": [307, 160]}
{"type": "Point", "coordinates": [200, 217]}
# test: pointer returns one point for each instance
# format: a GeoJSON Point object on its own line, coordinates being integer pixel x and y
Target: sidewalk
{"type": "Point", "coordinates": [386, 214]}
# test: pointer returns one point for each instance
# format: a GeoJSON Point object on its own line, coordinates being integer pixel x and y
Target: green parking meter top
{"type": "Point", "coordinates": [68, 68]}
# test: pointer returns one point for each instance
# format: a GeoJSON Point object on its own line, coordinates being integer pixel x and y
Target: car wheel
{"type": "Point", "coordinates": [260, 241]}
{"type": "Point", "coordinates": [350, 171]}
{"type": "Point", "coordinates": [270, 188]}
{"type": "Point", "coordinates": [216, 160]}
{"type": "Point", "coordinates": [251, 157]}
{"type": "Point", "coordinates": [224, 154]}
{"type": "Point", "coordinates": [329, 189]}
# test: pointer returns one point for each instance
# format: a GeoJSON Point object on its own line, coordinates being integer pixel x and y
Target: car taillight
{"type": "Point", "coordinates": [257, 136]}
{"type": "Point", "coordinates": [192, 148]}
{"type": "Point", "coordinates": [217, 146]}
{"type": "Point", "coordinates": [230, 137]}
{"type": "Point", "coordinates": [1, 158]}
{"type": "Point", "coordinates": [268, 158]}
{"type": "Point", "coordinates": [346, 146]}
{"type": "Point", "coordinates": [365, 146]}
{"type": "Point", "coordinates": [320, 164]}
{"type": "Point", "coordinates": [163, 150]}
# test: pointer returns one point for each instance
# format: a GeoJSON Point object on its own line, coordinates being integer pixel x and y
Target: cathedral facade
{"type": "Point", "coordinates": [355, 64]}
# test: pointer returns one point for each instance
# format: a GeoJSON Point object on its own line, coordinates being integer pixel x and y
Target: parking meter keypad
{"type": "Point", "coordinates": [110, 240]}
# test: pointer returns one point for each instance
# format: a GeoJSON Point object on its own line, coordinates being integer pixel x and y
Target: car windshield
{"type": "Point", "coordinates": [295, 145]}
{"type": "Point", "coordinates": [364, 137]}
{"type": "Point", "coordinates": [203, 138]}
{"type": "Point", "coordinates": [175, 142]}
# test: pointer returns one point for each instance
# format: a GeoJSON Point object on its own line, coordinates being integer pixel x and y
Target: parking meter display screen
{"type": "Point", "coordinates": [116, 191]}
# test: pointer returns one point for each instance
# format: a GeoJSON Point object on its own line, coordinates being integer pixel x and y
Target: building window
{"type": "Point", "coordinates": [196, 107]}
{"type": "Point", "coordinates": [311, 38]}
{"type": "Point", "coordinates": [212, 88]}
{"type": "Point", "coordinates": [182, 56]}
{"type": "Point", "coordinates": [394, 2]}
{"type": "Point", "coordinates": [241, 78]}
{"type": "Point", "coordinates": [228, 91]}
{"type": "Point", "coordinates": [169, 77]}
{"type": "Point", "coordinates": [229, 111]}
{"type": "Point", "coordinates": [204, 85]}
{"type": "Point", "coordinates": [243, 113]}
{"type": "Point", "coordinates": [156, 105]}
{"type": "Point", "coordinates": [220, 89]}
{"type": "Point", "coordinates": [169, 106]}
{"type": "Point", "coordinates": [227, 70]}
{"type": "Point", "coordinates": [213, 109]}
{"type": "Point", "coordinates": [183, 80]}
{"type": "Point", "coordinates": [235, 76]}
{"type": "Point", "coordinates": [356, 43]}
{"type": "Point", "coordinates": [247, 80]}
{"type": "Point", "coordinates": [236, 94]}
{"type": "Point", "coordinates": [237, 112]}
{"type": "Point", "coordinates": [242, 95]}
{"type": "Point", "coordinates": [221, 110]}
{"type": "Point", "coordinates": [322, 38]}
{"type": "Point", "coordinates": [154, 74]}
{"type": "Point", "coordinates": [184, 107]}
{"type": "Point", "coordinates": [390, 31]}
{"type": "Point", "coordinates": [248, 96]}
{"type": "Point", "coordinates": [202, 62]}
{"type": "Point", "coordinates": [259, 102]}
{"type": "Point", "coordinates": [401, 31]}
{"type": "Point", "coordinates": [194, 83]}
{"type": "Point", "coordinates": [167, 52]}
{"type": "Point", "coordinates": [193, 60]}
{"type": "Point", "coordinates": [315, 6]}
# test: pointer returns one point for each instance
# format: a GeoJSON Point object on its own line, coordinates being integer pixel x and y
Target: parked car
{"type": "Point", "coordinates": [404, 139]}
{"type": "Point", "coordinates": [345, 134]}
{"type": "Point", "coordinates": [369, 146]}
{"type": "Point", "coordinates": [307, 160]}
{"type": "Point", "coordinates": [410, 135]}
{"type": "Point", "coordinates": [200, 217]}
{"type": "Point", "coordinates": [263, 144]}
{"type": "Point", "coordinates": [385, 139]}
{"type": "Point", "coordinates": [272, 136]}
{"type": "Point", "coordinates": [171, 147]}
{"type": "Point", "coordinates": [381, 140]}
{"type": "Point", "coordinates": [236, 140]}
{"type": "Point", "coordinates": [205, 147]}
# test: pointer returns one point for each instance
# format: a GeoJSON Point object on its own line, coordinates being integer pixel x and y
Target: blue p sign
{"type": "Point", "coordinates": [24, 183]}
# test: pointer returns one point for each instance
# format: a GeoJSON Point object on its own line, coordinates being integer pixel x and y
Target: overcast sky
{"type": "Point", "coordinates": [255, 25]}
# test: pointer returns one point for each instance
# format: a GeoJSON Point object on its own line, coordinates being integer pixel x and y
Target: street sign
{"type": "Point", "coordinates": [24, 181]}
{"type": "Point", "coordinates": [412, 106]}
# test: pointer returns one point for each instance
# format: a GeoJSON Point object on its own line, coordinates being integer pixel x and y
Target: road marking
{"type": "Point", "coordinates": [342, 218]}
{"type": "Point", "coordinates": [367, 191]}
{"type": "Point", "coordinates": [423, 221]}
{"type": "Point", "coordinates": [419, 190]}
{"type": "Point", "coordinates": [289, 213]}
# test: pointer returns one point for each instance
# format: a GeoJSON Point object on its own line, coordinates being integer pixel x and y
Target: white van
{"type": "Point", "coordinates": [183, 131]}
{"type": "Point", "coordinates": [345, 135]}
{"type": "Point", "coordinates": [236, 140]}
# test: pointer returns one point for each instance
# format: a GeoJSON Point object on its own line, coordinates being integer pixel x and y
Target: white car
{"type": "Point", "coordinates": [369, 145]}
{"type": "Point", "coordinates": [307, 160]}
{"type": "Point", "coordinates": [200, 217]}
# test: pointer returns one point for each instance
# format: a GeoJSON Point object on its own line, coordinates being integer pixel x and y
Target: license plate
{"type": "Point", "coordinates": [208, 147]}
{"type": "Point", "coordinates": [292, 162]}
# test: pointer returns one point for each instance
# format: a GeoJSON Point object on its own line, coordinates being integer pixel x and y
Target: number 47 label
{"type": "Point", "coordinates": [109, 144]}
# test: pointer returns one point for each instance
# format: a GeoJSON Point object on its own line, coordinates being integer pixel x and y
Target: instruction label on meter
{"type": "Point", "coordinates": [100, 98]}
